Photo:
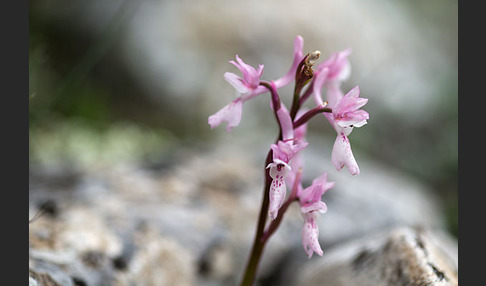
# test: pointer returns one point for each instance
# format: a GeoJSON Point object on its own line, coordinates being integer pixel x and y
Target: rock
{"type": "Point", "coordinates": [42, 279]}
{"type": "Point", "coordinates": [401, 256]}
{"type": "Point", "coordinates": [177, 53]}
{"type": "Point", "coordinates": [197, 217]}
{"type": "Point", "coordinates": [158, 260]}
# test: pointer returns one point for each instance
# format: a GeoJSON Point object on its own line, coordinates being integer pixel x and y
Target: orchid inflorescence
{"type": "Point", "coordinates": [284, 165]}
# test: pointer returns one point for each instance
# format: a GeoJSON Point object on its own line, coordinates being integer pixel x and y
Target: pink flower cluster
{"type": "Point", "coordinates": [341, 110]}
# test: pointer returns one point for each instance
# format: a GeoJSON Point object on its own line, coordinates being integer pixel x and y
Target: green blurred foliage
{"type": "Point", "coordinates": [77, 118]}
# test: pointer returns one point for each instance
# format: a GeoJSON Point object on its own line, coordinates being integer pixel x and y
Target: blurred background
{"type": "Point", "coordinates": [129, 85]}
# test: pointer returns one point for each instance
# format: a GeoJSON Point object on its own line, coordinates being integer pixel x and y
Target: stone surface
{"type": "Point", "coordinates": [401, 256]}
{"type": "Point", "coordinates": [177, 53]}
{"type": "Point", "coordinates": [192, 221]}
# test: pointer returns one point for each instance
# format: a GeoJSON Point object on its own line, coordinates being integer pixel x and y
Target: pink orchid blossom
{"type": "Point", "coordinates": [330, 74]}
{"type": "Point", "coordinates": [346, 111]}
{"type": "Point", "coordinates": [278, 171]}
{"type": "Point", "coordinates": [338, 70]}
{"type": "Point", "coordinates": [311, 205]}
{"type": "Point", "coordinates": [283, 152]}
{"type": "Point", "coordinates": [345, 116]}
{"type": "Point", "coordinates": [248, 87]}
{"type": "Point", "coordinates": [284, 164]}
{"type": "Point", "coordinates": [251, 77]}
{"type": "Point", "coordinates": [285, 123]}
{"type": "Point", "coordinates": [338, 66]}
{"type": "Point", "coordinates": [310, 197]}
{"type": "Point", "coordinates": [345, 108]}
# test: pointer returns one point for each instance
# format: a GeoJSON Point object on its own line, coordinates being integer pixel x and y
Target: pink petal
{"type": "Point", "coordinates": [342, 155]}
{"type": "Point", "coordinates": [285, 124]}
{"type": "Point", "coordinates": [236, 82]}
{"type": "Point", "coordinates": [319, 206]}
{"type": "Point", "coordinates": [310, 235]}
{"type": "Point", "coordinates": [278, 172]}
{"type": "Point", "coordinates": [274, 171]}
{"type": "Point", "coordinates": [334, 93]}
{"type": "Point", "coordinates": [339, 66]}
{"type": "Point", "coordinates": [251, 76]}
{"type": "Point", "coordinates": [311, 198]}
{"type": "Point", "coordinates": [231, 114]}
{"type": "Point", "coordinates": [353, 93]}
{"type": "Point", "coordinates": [349, 102]}
{"type": "Point", "coordinates": [282, 151]}
{"type": "Point", "coordinates": [356, 118]}
{"type": "Point", "coordinates": [319, 78]}
{"type": "Point", "coordinates": [276, 196]}
{"type": "Point", "coordinates": [298, 56]}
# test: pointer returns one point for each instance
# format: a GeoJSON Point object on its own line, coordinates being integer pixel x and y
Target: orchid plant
{"type": "Point", "coordinates": [283, 166]}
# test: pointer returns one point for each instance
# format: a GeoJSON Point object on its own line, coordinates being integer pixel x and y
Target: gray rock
{"type": "Point", "coordinates": [400, 256]}
{"type": "Point", "coordinates": [177, 53]}
{"type": "Point", "coordinates": [127, 224]}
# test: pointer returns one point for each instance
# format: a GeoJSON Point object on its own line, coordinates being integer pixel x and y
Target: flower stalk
{"type": "Point", "coordinates": [283, 164]}
{"type": "Point", "coordinates": [258, 243]}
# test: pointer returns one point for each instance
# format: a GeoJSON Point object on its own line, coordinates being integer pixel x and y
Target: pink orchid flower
{"type": "Point", "coordinates": [248, 87]}
{"type": "Point", "coordinates": [345, 109]}
{"type": "Point", "coordinates": [283, 152]}
{"type": "Point", "coordinates": [345, 116]}
{"type": "Point", "coordinates": [310, 197]}
{"type": "Point", "coordinates": [311, 205]}
{"type": "Point", "coordinates": [338, 66]}
{"type": "Point", "coordinates": [251, 77]}
{"type": "Point", "coordinates": [330, 74]}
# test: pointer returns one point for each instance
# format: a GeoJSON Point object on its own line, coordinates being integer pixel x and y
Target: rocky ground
{"type": "Point", "coordinates": [191, 220]}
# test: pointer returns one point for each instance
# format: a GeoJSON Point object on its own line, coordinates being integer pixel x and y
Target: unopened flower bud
{"type": "Point", "coordinates": [312, 58]}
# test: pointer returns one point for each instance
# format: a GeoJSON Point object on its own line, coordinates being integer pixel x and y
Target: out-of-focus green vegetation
{"type": "Point", "coordinates": [76, 117]}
